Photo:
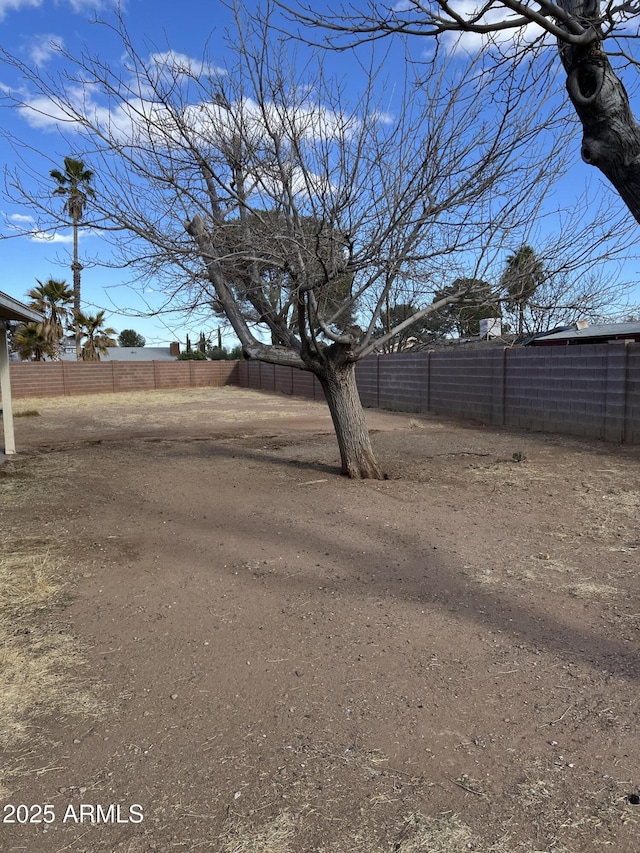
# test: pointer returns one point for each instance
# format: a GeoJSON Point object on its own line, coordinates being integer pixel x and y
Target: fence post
{"type": "Point", "coordinates": [498, 387]}
{"type": "Point", "coordinates": [423, 402]}
{"type": "Point", "coordinates": [615, 407]}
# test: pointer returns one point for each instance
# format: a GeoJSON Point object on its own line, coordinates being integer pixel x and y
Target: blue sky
{"type": "Point", "coordinates": [27, 29]}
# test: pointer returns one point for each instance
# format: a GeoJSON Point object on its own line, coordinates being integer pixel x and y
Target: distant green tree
{"type": "Point", "coordinates": [192, 355]}
{"type": "Point", "coordinates": [217, 353]}
{"type": "Point", "coordinates": [432, 327]}
{"type": "Point", "coordinates": [479, 302]}
{"type": "Point", "coordinates": [204, 343]}
{"type": "Point", "coordinates": [130, 338]}
{"type": "Point", "coordinates": [462, 319]}
{"type": "Point", "coordinates": [523, 275]}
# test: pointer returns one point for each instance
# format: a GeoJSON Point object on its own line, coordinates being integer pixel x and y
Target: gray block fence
{"type": "Point", "coordinates": [589, 390]}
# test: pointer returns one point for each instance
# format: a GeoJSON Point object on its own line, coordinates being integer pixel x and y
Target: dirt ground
{"type": "Point", "coordinates": [241, 651]}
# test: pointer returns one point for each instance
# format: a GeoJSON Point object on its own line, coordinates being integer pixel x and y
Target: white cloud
{"type": "Point", "coordinates": [25, 225]}
{"type": "Point", "coordinates": [78, 6]}
{"type": "Point", "coordinates": [46, 237]}
{"type": "Point", "coordinates": [15, 5]}
{"type": "Point", "coordinates": [180, 64]}
{"type": "Point", "coordinates": [44, 47]}
{"type": "Point", "coordinates": [20, 219]}
{"type": "Point", "coordinates": [210, 122]}
{"type": "Point", "coordinates": [57, 237]}
{"type": "Point", "coordinates": [472, 43]}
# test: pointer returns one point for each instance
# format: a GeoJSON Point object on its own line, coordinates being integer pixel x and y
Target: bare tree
{"type": "Point", "coordinates": [589, 35]}
{"type": "Point", "coordinates": [265, 194]}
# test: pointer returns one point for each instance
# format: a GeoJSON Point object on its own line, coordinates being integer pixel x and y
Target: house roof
{"type": "Point", "coordinates": [608, 331]}
{"type": "Point", "coordinates": [11, 309]}
{"type": "Point", "coordinates": [68, 352]}
{"type": "Point", "coordinates": [138, 354]}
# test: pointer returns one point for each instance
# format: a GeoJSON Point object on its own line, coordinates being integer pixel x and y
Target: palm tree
{"type": "Point", "coordinates": [31, 343]}
{"type": "Point", "coordinates": [75, 185]}
{"type": "Point", "coordinates": [523, 275]}
{"type": "Point", "coordinates": [52, 299]}
{"type": "Point", "coordinates": [91, 327]}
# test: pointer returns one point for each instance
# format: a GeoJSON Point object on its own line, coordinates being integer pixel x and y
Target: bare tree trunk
{"type": "Point", "coordinates": [611, 136]}
{"type": "Point", "coordinates": [356, 454]}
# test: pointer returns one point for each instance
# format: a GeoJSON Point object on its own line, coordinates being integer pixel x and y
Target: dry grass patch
{"type": "Point", "coordinates": [26, 480]}
{"type": "Point", "coordinates": [272, 837]}
{"type": "Point", "coordinates": [417, 834]}
{"type": "Point", "coordinates": [104, 414]}
{"type": "Point", "coordinates": [38, 662]}
{"type": "Point", "coordinates": [584, 589]}
{"type": "Point", "coordinates": [446, 834]}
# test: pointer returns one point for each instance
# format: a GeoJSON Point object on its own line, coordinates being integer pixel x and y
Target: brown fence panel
{"type": "Point", "coordinates": [130, 376]}
{"type": "Point", "coordinates": [213, 374]}
{"type": "Point", "coordinates": [87, 377]}
{"type": "Point", "coordinates": [37, 380]}
{"type": "Point", "coordinates": [302, 383]}
{"type": "Point", "coordinates": [70, 378]}
{"type": "Point", "coordinates": [283, 379]}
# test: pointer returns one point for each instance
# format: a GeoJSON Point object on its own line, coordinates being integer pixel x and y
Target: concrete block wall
{"type": "Point", "coordinates": [403, 382]}
{"type": "Point", "coordinates": [632, 410]}
{"type": "Point", "coordinates": [558, 389]}
{"type": "Point", "coordinates": [88, 378]}
{"type": "Point", "coordinates": [368, 381]}
{"type": "Point", "coordinates": [590, 390]}
{"type": "Point", "coordinates": [277, 378]}
{"type": "Point", "coordinates": [461, 384]}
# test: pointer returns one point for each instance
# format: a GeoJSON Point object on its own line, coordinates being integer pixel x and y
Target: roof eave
{"type": "Point", "coordinates": [12, 309]}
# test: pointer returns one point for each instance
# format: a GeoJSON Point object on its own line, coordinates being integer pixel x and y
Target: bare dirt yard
{"type": "Point", "coordinates": [210, 641]}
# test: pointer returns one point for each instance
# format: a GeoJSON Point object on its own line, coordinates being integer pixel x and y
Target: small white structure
{"type": "Point", "coordinates": [491, 327]}
{"type": "Point", "coordinates": [10, 309]}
